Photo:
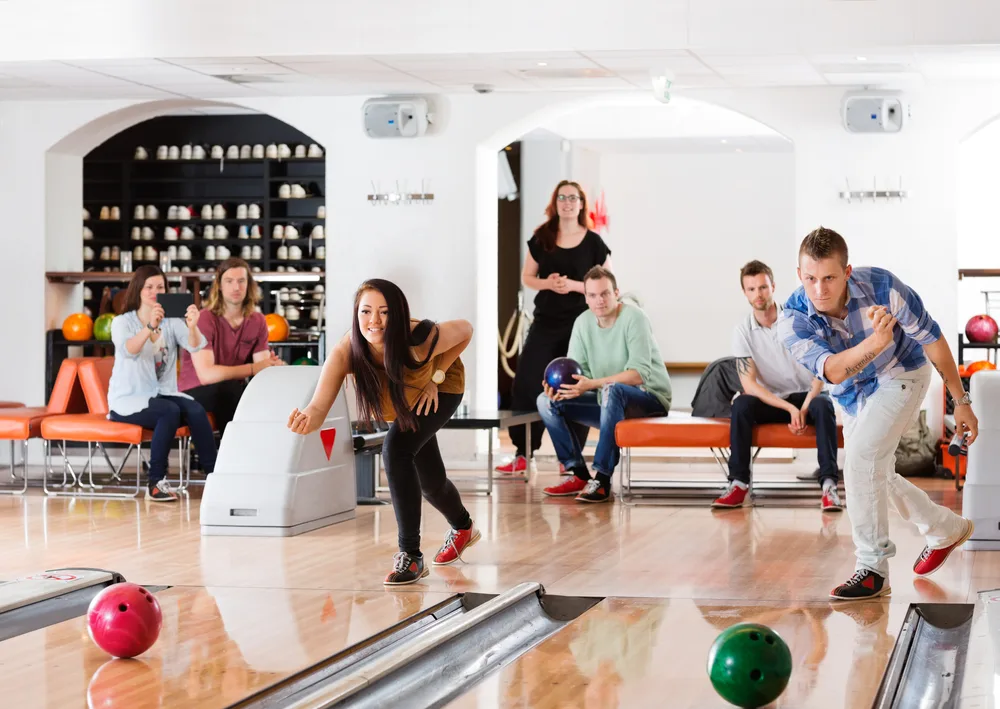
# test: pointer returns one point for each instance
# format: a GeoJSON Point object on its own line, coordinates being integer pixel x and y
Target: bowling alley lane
{"type": "Point", "coordinates": [628, 652]}
{"type": "Point", "coordinates": [216, 646]}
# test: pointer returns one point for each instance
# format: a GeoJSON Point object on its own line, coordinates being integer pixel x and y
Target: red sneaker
{"type": "Point", "coordinates": [734, 497]}
{"type": "Point", "coordinates": [570, 486]}
{"type": "Point", "coordinates": [518, 465]}
{"type": "Point", "coordinates": [930, 560]}
{"type": "Point", "coordinates": [457, 541]}
{"type": "Point", "coordinates": [831, 501]}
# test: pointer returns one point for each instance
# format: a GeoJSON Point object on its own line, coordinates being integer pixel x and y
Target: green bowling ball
{"type": "Point", "coordinates": [749, 665]}
{"type": "Point", "coordinates": [307, 361]}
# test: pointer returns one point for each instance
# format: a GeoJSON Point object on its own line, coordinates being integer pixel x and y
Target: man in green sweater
{"type": "Point", "coordinates": [623, 377]}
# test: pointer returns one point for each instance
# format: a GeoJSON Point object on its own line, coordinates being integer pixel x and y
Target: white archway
{"type": "Point", "coordinates": [64, 183]}
{"type": "Point", "coordinates": [486, 201]}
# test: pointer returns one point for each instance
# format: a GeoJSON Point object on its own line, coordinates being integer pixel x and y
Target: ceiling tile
{"type": "Point", "coordinates": [201, 61]}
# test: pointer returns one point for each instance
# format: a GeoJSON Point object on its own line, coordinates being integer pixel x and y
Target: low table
{"type": "Point", "coordinates": [498, 419]}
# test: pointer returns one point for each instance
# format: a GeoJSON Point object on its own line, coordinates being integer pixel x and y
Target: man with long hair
{"type": "Point", "coordinates": [841, 324]}
{"type": "Point", "coordinates": [237, 343]}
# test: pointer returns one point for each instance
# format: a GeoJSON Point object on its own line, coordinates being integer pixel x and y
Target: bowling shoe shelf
{"type": "Point", "coordinates": [269, 210]}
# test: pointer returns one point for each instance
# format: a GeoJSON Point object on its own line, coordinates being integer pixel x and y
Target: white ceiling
{"type": "Point", "coordinates": [697, 145]}
{"type": "Point", "coordinates": [511, 72]}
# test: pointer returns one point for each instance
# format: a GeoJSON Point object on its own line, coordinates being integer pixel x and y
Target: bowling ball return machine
{"type": "Point", "coordinates": [269, 481]}
{"type": "Point", "coordinates": [981, 494]}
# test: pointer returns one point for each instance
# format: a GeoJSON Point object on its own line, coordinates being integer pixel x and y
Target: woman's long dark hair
{"type": "Point", "coordinates": [547, 233]}
{"type": "Point", "coordinates": [133, 294]}
{"type": "Point", "coordinates": [398, 340]}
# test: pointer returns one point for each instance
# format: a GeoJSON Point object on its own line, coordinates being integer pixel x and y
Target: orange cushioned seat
{"type": "Point", "coordinates": [695, 432]}
{"type": "Point", "coordinates": [11, 405]}
{"type": "Point", "coordinates": [23, 423]}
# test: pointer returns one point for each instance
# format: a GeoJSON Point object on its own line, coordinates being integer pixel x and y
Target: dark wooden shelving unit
{"type": "Point", "coordinates": [114, 177]}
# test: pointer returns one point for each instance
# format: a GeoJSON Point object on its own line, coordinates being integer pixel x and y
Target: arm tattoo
{"type": "Point", "coordinates": [743, 365]}
{"type": "Point", "coordinates": [860, 365]}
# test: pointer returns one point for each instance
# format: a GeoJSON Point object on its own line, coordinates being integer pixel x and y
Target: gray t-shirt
{"type": "Point", "coordinates": [777, 370]}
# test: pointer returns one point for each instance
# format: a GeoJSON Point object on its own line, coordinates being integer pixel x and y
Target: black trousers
{"type": "Point", "coordinates": [414, 468]}
{"type": "Point", "coordinates": [749, 410]}
{"type": "Point", "coordinates": [543, 344]}
{"type": "Point", "coordinates": [220, 400]}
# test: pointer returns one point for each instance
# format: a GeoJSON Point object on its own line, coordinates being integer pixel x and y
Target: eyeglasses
{"type": "Point", "coordinates": [567, 198]}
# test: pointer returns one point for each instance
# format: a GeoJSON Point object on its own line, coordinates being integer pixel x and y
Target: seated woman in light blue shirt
{"type": "Point", "coordinates": [143, 389]}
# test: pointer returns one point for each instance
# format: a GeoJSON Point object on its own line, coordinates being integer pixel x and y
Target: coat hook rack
{"type": "Point", "coordinates": [400, 196]}
{"type": "Point", "coordinates": [875, 193]}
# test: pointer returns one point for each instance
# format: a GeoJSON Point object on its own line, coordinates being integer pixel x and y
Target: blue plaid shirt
{"type": "Point", "coordinates": [812, 337]}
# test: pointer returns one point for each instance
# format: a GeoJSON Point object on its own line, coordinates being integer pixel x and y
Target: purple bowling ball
{"type": "Point", "coordinates": [560, 371]}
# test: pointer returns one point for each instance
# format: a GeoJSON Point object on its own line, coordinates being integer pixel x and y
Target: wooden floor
{"type": "Point", "coordinates": [242, 613]}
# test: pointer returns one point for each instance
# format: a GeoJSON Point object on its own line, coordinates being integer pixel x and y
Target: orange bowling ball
{"type": "Point", "coordinates": [980, 365]}
{"type": "Point", "coordinates": [78, 327]}
{"type": "Point", "coordinates": [277, 328]}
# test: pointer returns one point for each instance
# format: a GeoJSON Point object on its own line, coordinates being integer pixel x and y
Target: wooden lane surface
{"type": "Point", "coordinates": [217, 646]}
{"type": "Point", "coordinates": [652, 653]}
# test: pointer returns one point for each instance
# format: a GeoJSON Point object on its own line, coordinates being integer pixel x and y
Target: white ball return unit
{"type": "Point", "coordinates": [981, 494]}
{"type": "Point", "coordinates": [269, 481]}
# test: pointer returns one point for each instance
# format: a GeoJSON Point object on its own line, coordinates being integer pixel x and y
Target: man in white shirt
{"type": "Point", "coordinates": [776, 389]}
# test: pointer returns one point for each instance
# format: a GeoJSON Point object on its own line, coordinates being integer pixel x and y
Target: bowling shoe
{"type": "Point", "coordinates": [160, 492]}
{"type": "Point", "coordinates": [457, 541]}
{"type": "Point", "coordinates": [734, 497]}
{"type": "Point", "coordinates": [597, 490]}
{"type": "Point", "coordinates": [572, 485]}
{"type": "Point", "coordinates": [518, 465]}
{"type": "Point", "coordinates": [831, 500]}
{"type": "Point", "coordinates": [930, 560]}
{"type": "Point", "coordinates": [864, 584]}
{"type": "Point", "coordinates": [406, 569]}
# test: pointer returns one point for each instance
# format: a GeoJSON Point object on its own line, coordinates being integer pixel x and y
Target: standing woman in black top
{"type": "Point", "coordinates": [560, 253]}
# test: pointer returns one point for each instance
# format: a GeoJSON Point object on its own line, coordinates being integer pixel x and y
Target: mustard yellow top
{"type": "Point", "coordinates": [416, 380]}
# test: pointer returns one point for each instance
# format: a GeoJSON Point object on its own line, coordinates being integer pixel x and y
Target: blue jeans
{"type": "Point", "coordinates": [618, 402]}
{"type": "Point", "coordinates": [163, 416]}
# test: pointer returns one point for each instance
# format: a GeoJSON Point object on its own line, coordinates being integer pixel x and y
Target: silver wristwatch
{"type": "Point", "coordinates": [964, 401]}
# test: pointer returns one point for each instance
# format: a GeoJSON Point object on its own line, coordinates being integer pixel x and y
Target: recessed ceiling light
{"type": "Point", "coordinates": [543, 63]}
{"type": "Point", "coordinates": [739, 150]}
{"type": "Point", "coordinates": [861, 59]}
{"type": "Point", "coordinates": [724, 140]}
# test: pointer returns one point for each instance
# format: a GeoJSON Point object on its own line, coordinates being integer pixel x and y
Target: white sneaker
{"type": "Point", "coordinates": [208, 233]}
{"type": "Point", "coordinates": [241, 212]}
{"type": "Point", "coordinates": [253, 211]}
{"type": "Point", "coordinates": [186, 152]}
{"type": "Point", "coordinates": [206, 211]}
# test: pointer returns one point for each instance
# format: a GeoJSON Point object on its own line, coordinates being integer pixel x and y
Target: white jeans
{"type": "Point", "coordinates": [871, 481]}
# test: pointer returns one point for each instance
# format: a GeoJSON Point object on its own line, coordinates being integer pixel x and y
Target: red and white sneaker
{"type": "Point", "coordinates": [570, 486]}
{"type": "Point", "coordinates": [831, 500]}
{"type": "Point", "coordinates": [519, 464]}
{"type": "Point", "coordinates": [457, 541]}
{"type": "Point", "coordinates": [930, 560]}
{"type": "Point", "coordinates": [735, 496]}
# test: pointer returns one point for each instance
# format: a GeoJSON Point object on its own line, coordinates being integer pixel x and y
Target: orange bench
{"type": "Point", "coordinates": [95, 428]}
{"type": "Point", "coordinates": [11, 405]}
{"type": "Point", "coordinates": [23, 423]}
{"type": "Point", "coordinates": [680, 431]}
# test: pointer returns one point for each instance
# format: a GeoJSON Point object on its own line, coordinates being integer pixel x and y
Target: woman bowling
{"type": "Point", "coordinates": [143, 388]}
{"type": "Point", "coordinates": [407, 373]}
{"type": "Point", "coordinates": [560, 253]}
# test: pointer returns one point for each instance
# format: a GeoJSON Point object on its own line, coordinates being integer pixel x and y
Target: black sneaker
{"type": "Point", "coordinates": [160, 492]}
{"type": "Point", "coordinates": [596, 491]}
{"type": "Point", "coordinates": [406, 568]}
{"type": "Point", "coordinates": [864, 584]}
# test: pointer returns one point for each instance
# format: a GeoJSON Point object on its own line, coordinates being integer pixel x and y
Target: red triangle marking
{"type": "Point", "coordinates": [869, 583]}
{"type": "Point", "coordinates": [328, 436]}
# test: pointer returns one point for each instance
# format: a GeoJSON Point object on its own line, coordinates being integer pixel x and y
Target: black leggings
{"type": "Point", "coordinates": [543, 344]}
{"type": "Point", "coordinates": [414, 467]}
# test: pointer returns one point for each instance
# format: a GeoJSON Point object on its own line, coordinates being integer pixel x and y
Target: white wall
{"type": "Point", "coordinates": [684, 224]}
{"type": "Point", "coordinates": [444, 255]}
{"type": "Point", "coordinates": [978, 246]}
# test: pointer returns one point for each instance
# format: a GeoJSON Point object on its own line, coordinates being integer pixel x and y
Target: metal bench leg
{"type": "Point", "coordinates": [489, 462]}
{"type": "Point", "coordinates": [627, 475]}
{"type": "Point", "coordinates": [13, 470]}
